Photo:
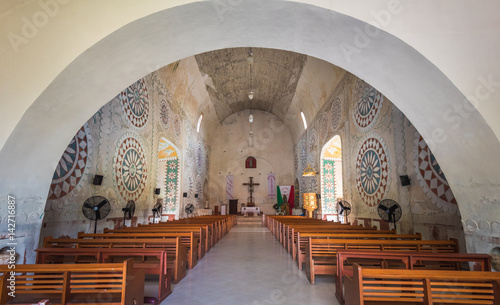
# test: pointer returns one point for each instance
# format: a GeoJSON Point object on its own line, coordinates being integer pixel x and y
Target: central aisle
{"type": "Point", "coordinates": [249, 266]}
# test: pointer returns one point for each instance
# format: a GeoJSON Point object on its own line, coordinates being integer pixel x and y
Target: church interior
{"type": "Point", "coordinates": [226, 115]}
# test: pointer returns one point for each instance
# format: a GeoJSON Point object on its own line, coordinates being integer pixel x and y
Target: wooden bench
{"type": "Point", "coordinates": [217, 226]}
{"type": "Point", "coordinates": [176, 251]}
{"type": "Point", "coordinates": [290, 230]}
{"type": "Point", "coordinates": [398, 287]}
{"type": "Point", "coordinates": [187, 239]}
{"type": "Point", "coordinates": [298, 251]}
{"type": "Point", "coordinates": [403, 260]}
{"type": "Point", "coordinates": [202, 233]}
{"type": "Point", "coordinates": [291, 233]}
{"type": "Point", "coordinates": [321, 253]}
{"type": "Point", "coordinates": [303, 240]}
{"type": "Point", "coordinates": [152, 261]}
{"type": "Point", "coordinates": [112, 284]}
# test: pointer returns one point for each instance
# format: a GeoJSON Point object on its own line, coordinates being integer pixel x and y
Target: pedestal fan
{"type": "Point", "coordinates": [96, 208]}
{"type": "Point", "coordinates": [157, 208]}
{"type": "Point", "coordinates": [128, 211]}
{"type": "Point", "coordinates": [344, 208]}
{"type": "Point", "coordinates": [189, 209]}
{"type": "Point", "coordinates": [389, 210]}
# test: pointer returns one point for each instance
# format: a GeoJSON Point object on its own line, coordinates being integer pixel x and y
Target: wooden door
{"type": "Point", "coordinates": [233, 206]}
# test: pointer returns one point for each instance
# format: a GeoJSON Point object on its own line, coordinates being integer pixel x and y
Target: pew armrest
{"type": "Point", "coordinates": [134, 291]}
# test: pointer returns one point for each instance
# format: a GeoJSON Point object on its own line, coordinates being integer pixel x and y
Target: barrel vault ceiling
{"type": "Point", "coordinates": [283, 83]}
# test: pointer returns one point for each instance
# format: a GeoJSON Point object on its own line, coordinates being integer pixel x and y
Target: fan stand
{"type": "Point", "coordinates": [344, 218]}
{"type": "Point", "coordinates": [95, 226]}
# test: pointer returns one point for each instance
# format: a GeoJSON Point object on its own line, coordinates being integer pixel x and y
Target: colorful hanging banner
{"type": "Point", "coordinates": [229, 186]}
{"type": "Point", "coordinates": [271, 186]}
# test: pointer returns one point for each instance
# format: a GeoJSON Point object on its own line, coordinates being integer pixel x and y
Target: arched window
{"type": "Point", "coordinates": [168, 176]}
{"type": "Point", "coordinates": [331, 178]}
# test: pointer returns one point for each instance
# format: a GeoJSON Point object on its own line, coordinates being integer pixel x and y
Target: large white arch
{"type": "Point", "coordinates": [71, 90]}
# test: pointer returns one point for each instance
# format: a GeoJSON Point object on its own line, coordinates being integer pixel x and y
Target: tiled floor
{"type": "Point", "coordinates": [248, 266]}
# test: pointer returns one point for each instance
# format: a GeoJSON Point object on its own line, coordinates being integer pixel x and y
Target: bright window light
{"type": "Point", "coordinates": [199, 123]}
{"type": "Point", "coordinates": [303, 119]}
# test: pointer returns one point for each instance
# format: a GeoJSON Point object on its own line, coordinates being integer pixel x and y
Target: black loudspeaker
{"type": "Point", "coordinates": [184, 194]}
{"type": "Point", "coordinates": [195, 195]}
{"type": "Point", "coordinates": [157, 191]}
{"type": "Point", "coordinates": [97, 180]}
{"type": "Point", "coordinates": [405, 180]}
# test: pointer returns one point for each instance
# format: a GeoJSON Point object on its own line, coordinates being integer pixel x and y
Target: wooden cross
{"type": "Point", "coordinates": [250, 188]}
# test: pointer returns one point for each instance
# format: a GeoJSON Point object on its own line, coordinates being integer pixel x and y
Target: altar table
{"type": "Point", "coordinates": [255, 210]}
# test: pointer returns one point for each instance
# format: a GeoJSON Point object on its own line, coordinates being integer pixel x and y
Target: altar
{"type": "Point", "coordinates": [202, 212]}
{"type": "Point", "coordinates": [255, 210]}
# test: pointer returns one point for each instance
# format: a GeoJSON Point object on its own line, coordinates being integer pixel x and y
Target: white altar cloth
{"type": "Point", "coordinates": [255, 210]}
{"type": "Point", "coordinates": [202, 212]}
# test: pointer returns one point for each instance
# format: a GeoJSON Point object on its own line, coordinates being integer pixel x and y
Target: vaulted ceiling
{"type": "Point", "coordinates": [217, 84]}
{"type": "Point", "coordinates": [272, 76]}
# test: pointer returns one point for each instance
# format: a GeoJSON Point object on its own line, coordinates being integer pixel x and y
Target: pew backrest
{"type": "Point", "coordinates": [390, 286]}
{"type": "Point", "coordinates": [87, 283]}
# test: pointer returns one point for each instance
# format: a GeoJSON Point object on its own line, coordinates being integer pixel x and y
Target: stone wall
{"type": "Point", "coordinates": [270, 144]}
{"type": "Point", "coordinates": [129, 142]}
{"type": "Point", "coordinates": [379, 144]}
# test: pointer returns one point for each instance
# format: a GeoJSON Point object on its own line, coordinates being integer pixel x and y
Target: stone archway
{"type": "Point", "coordinates": [32, 150]}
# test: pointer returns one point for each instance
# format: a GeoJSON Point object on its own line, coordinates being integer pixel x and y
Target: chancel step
{"type": "Point", "coordinates": [250, 220]}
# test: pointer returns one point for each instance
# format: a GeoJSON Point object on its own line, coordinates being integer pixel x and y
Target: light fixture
{"type": "Point", "coordinates": [250, 118]}
{"type": "Point", "coordinates": [250, 95]}
{"type": "Point", "coordinates": [250, 57]}
{"type": "Point", "coordinates": [309, 171]}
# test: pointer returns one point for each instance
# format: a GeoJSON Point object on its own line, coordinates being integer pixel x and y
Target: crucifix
{"type": "Point", "coordinates": [250, 190]}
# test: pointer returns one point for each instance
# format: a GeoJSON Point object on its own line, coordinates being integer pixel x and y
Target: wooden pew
{"type": "Point", "coordinates": [298, 246]}
{"type": "Point", "coordinates": [152, 261]}
{"type": "Point", "coordinates": [176, 251]}
{"type": "Point", "coordinates": [112, 284]}
{"type": "Point", "coordinates": [219, 225]}
{"type": "Point", "coordinates": [406, 260]}
{"type": "Point", "coordinates": [321, 253]}
{"type": "Point", "coordinates": [398, 287]}
{"type": "Point", "coordinates": [187, 239]}
{"type": "Point", "coordinates": [289, 231]}
{"type": "Point", "coordinates": [200, 232]}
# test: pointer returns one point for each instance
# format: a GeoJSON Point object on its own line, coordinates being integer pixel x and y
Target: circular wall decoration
{"type": "Point", "coordinates": [72, 165]}
{"type": "Point", "coordinates": [368, 105]}
{"type": "Point", "coordinates": [336, 113]}
{"type": "Point", "coordinates": [164, 114]}
{"type": "Point", "coordinates": [135, 103]}
{"type": "Point", "coordinates": [432, 178]}
{"type": "Point", "coordinates": [177, 127]}
{"type": "Point", "coordinates": [372, 170]}
{"type": "Point", "coordinates": [130, 168]}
